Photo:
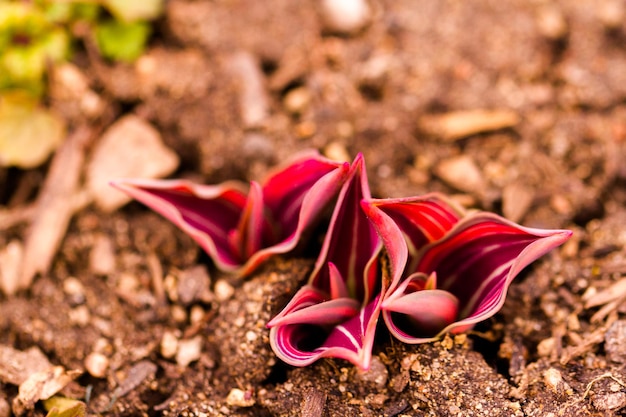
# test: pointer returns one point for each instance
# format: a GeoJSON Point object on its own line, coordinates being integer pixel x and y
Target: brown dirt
{"type": "Point", "coordinates": [556, 348]}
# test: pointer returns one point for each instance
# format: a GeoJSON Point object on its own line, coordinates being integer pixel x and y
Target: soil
{"type": "Point", "coordinates": [235, 87]}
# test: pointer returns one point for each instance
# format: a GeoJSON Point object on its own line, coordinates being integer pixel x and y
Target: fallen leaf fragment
{"type": "Point", "coordinates": [460, 124]}
{"type": "Point", "coordinates": [130, 148]}
{"type": "Point", "coordinates": [17, 365]}
{"type": "Point", "coordinates": [41, 386]}
{"type": "Point", "coordinates": [28, 133]}
{"type": "Point", "coordinates": [64, 407]}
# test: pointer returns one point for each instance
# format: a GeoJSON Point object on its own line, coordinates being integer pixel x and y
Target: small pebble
{"type": "Point", "coordinates": [551, 23]}
{"type": "Point", "coordinates": [80, 316]}
{"type": "Point", "coordinates": [546, 347]}
{"type": "Point", "coordinates": [97, 364]}
{"type": "Point", "coordinates": [223, 290]}
{"type": "Point", "coordinates": [178, 313]}
{"type": "Point", "coordinates": [257, 146]}
{"type": "Point", "coordinates": [305, 129]}
{"type": "Point", "coordinates": [196, 315]}
{"type": "Point", "coordinates": [169, 344]}
{"type": "Point", "coordinates": [345, 17]}
{"type": "Point", "coordinates": [189, 350]}
{"type": "Point", "coordinates": [192, 283]}
{"type": "Point", "coordinates": [240, 398]}
{"type": "Point", "coordinates": [337, 152]}
{"type": "Point", "coordinates": [612, 401]}
{"type": "Point", "coordinates": [462, 173]}
{"type": "Point", "coordinates": [297, 100]}
{"type": "Point", "coordinates": [376, 374]}
{"type": "Point", "coordinates": [74, 289]}
{"type": "Point", "coordinates": [554, 381]}
{"type": "Point", "coordinates": [251, 336]}
{"type": "Point", "coordinates": [611, 13]}
{"type": "Point", "coordinates": [516, 200]}
{"type": "Point", "coordinates": [102, 256]}
{"type": "Point", "coordinates": [5, 407]}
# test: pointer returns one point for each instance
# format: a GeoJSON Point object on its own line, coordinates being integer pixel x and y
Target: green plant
{"type": "Point", "coordinates": [35, 36]}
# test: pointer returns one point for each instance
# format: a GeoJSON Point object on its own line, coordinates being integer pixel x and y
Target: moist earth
{"type": "Point", "coordinates": [234, 88]}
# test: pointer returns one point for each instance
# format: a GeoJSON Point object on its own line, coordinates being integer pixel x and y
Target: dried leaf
{"type": "Point", "coordinates": [612, 293]}
{"type": "Point", "coordinates": [64, 407]}
{"type": "Point", "coordinates": [41, 386]}
{"type": "Point", "coordinates": [129, 148]}
{"type": "Point", "coordinates": [135, 10]}
{"type": "Point", "coordinates": [28, 133]}
{"type": "Point", "coordinates": [55, 206]}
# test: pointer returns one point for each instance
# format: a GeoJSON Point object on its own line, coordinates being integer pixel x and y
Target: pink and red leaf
{"type": "Point", "coordinates": [475, 263]}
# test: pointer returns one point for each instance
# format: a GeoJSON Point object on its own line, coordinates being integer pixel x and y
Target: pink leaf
{"type": "Point", "coordinates": [351, 241]}
{"type": "Point", "coordinates": [239, 230]}
{"type": "Point", "coordinates": [346, 269]}
{"type": "Point", "coordinates": [408, 224]}
{"type": "Point", "coordinates": [206, 213]}
{"type": "Point", "coordinates": [312, 306]}
{"type": "Point", "coordinates": [352, 340]}
{"type": "Point", "coordinates": [476, 262]}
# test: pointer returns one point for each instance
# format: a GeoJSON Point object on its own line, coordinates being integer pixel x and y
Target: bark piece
{"type": "Point", "coordinates": [460, 124]}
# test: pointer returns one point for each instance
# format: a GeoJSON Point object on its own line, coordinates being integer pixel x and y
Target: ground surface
{"type": "Point", "coordinates": [234, 87]}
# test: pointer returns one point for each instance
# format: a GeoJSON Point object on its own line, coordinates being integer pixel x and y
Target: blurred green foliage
{"type": "Point", "coordinates": [37, 34]}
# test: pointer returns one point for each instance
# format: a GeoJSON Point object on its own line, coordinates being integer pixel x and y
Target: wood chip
{"type": "Point", "coordinates": [460, 124]}
{"type": "Point", "coordinates": [10, 263]}
{"type": "Point", "coordinates": [54, 208]}
{"type": "Point", "coordinates": [610, 294]}
{"type": "Point", "coordinates": [253, 98]}
{"type": "Point", "coordinates": [130, 148]}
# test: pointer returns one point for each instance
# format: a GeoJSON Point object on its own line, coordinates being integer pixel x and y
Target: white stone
{"type": "Point", "coordinates": [346, 16]}
{"type": "Point", "coordinates": [97, 364]}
